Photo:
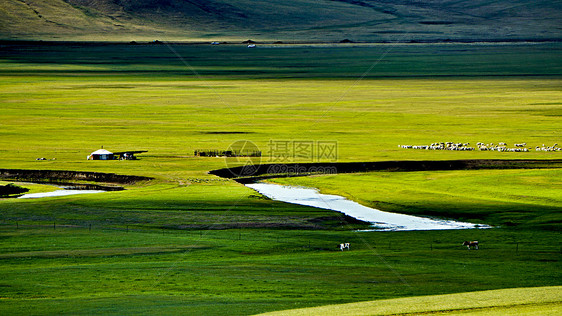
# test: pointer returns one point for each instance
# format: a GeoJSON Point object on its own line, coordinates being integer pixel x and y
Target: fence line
{"type": "Point", "coordinates": [298, 240]}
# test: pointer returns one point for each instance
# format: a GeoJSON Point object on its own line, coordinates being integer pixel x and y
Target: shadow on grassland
{"type": "Point", "coordinates": [249, 174]}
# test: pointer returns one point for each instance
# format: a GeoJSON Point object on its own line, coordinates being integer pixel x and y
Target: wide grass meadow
{"type": "Point", "coordinates": [189, 242]}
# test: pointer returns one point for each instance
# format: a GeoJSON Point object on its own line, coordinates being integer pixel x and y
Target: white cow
{"type": "Point", "coordinates": [344, 246]}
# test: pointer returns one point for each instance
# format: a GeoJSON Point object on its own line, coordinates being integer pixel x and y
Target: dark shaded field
{"type": "Point", "coordinates": [205, 62]}
{"type": "Point", "coordinates": [252, 173]}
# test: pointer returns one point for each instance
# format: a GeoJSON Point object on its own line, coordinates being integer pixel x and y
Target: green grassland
{"type": "Point", "coordinates": [528, 197]}
{"type": "Point", "coordinates": [67, 108]}
{"type": "Point", "coordinates": [189, 242]}
{"type": "Point", "coordinates": [71, 270]}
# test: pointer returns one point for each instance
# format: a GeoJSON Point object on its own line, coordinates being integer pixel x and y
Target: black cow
{"type": "Point", "coordinates": [470, 244]}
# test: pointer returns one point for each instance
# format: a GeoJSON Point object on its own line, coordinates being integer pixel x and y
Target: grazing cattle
{"type": "Point", "coordinates": [469, 244]}
{"type": "Point", "coordinates": [344, 246]}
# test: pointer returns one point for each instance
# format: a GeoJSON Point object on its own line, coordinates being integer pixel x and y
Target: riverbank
{"type": "Point", "coordinates": [516, 198]}
{"type": "Point", "coordinates": [245, 174]}
{"type": "Point", "coordinates": [61, 176]}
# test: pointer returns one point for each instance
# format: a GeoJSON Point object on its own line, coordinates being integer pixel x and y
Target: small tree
{"type": "Point", "coordinates": [11, 189]}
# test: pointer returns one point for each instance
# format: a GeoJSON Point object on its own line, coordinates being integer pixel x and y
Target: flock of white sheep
{"type": "Point", "coordinates": [548, 148]}
{"type": "Point", "coordinates": [501, 147]}
{"type": "Point", "coordinates": [441, 146]}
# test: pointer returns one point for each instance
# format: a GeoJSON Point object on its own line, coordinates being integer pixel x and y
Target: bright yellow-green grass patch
{"type": "Point", "coordinates": [519, 301]}
{"type": "Point", "coordinates": [66, 101]}
{"type": "Point", "coordinates": [67, 119]}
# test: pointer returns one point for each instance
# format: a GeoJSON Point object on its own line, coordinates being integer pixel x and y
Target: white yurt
{"type": "Point", "coordinates": [101, 154]}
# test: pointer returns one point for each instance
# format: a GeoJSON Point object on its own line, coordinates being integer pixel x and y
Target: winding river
{"type": "Point", "coordinates": [379, 219]}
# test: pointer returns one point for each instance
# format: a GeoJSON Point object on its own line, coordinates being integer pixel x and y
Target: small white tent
{"type": "Point", "coordinates": [101, 154]}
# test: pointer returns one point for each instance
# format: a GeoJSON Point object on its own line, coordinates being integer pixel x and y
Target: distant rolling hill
{"type": "Point", "coordinates": [288, 20]}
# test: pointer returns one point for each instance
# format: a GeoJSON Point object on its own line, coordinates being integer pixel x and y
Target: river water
{"type": "Point", "coordinates": [65, 189]}
{"type": "Point", "coordinates": [379, 219]}
{"type": "Point", "coordinates": [57, 193]}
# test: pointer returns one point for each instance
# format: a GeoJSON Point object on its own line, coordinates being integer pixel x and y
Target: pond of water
{"type": "Point", "coordinates": [58, 193]}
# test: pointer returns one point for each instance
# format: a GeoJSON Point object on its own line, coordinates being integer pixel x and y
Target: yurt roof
{"type": "Point", "coordinates": [102, 152]}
